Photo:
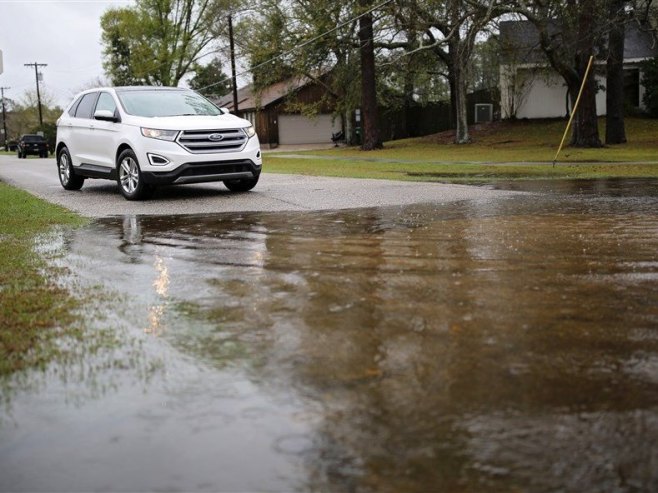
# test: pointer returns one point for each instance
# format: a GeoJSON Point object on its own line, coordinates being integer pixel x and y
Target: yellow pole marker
{"type": "Point", "coordinates": [575, 108]}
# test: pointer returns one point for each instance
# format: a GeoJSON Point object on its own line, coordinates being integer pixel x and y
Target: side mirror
{"type": "Point", "coordinates": [224, 111]}
{"type": "Point", "coordinates": [105, 115]}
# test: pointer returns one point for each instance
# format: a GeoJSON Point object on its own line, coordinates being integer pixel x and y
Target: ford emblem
{"type": "Point", "coordinates": [215, 137]}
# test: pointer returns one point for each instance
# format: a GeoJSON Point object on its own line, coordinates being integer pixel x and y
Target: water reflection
{"type": "Point", "coordinates": [161, 286]}
{"type": "Point", "coordinates": [482, 346]}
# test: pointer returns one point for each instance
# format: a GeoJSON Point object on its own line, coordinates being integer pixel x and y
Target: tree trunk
{"type": "Point", "coordinates": [586, 128]}
{"type": "Point", "coordinates": [408, 104]}
{"type": "Point", "coordinates": [410, 85]}
{"type": "Point", "coordinates": [450, 66]}
{"type": "Point", "coordinates": [585, 124]}
{"type": "Point", "coordinates": [453, 98]}
{"type": "Point", "coordinates": [615, 132]}
{"type": "Point", "coordinates": [457, 48]}
{"type": "Point", "coordinates": [371, 139]}
{"type": "Point", "coordinates": [461, 110]}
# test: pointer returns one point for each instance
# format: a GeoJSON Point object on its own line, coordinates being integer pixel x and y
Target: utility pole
{"type": "Point", "coordinates": [4, 115]}
{"type": "Point", "coordinates": [36, 76]}
{"type": "Point", "coordinates": [233, 78]}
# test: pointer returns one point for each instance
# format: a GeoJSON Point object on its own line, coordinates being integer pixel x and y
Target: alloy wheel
{"type": "Point", "coordinates": [64, 170]}
{"type": "Point", "coordinates": [129, 175]}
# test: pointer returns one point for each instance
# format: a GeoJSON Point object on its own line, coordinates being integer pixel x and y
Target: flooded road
{"type": "Point", "coordinates": [494, 345]}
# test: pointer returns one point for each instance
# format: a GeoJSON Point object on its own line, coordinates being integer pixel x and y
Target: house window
{"type": "Point", "coordinates": [632, 87]}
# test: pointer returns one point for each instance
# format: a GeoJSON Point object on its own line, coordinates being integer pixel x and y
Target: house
{"type": "Point", "coordinates": [530, 88]}
{"type": "Point", "coordinates": [275, 112]}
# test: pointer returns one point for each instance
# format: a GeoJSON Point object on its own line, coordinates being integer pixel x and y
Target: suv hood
{"type": "Point", "coordinates": [191, 122]}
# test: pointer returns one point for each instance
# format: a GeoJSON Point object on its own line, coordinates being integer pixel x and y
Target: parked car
{"type": "Point", "coordinates": [32, 144]}
{"type": "Point", "coordinates": [11, 145]}
{"type": "Point", "coordinates": [144, 137]}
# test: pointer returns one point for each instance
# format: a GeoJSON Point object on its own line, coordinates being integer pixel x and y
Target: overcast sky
{"type": "Point", "coordinates": [65, 34]}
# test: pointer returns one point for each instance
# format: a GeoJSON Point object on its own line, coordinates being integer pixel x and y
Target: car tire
{"type": "Point", "coordinates": [67, 176]}
{"type": "Point", "coordinates": [130, 178]}
{"type": "Point", "coordinates": [18, 153]}
{"type": "Point", "coordinates": [241, 185]}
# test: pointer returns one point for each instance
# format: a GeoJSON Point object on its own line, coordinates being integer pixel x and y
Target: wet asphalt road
{"type": "Point", "coordinates": [274, 193]}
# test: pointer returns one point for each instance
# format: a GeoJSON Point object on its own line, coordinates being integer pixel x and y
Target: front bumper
{"type": "Point", "coordinates": [204, 171]}
{"type": "Point", "coordinates": [185, 167]}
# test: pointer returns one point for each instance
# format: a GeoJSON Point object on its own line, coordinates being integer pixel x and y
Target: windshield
{"type": "Point", "coordinates": [166, 103]}
{"type": "Point", "coordinates": [33, 138]}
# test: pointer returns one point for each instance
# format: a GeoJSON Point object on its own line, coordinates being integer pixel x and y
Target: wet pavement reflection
{"type": "Point", "coordinates": [500, 345]}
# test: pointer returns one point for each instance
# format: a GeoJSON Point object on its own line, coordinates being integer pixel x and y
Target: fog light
{"type": "Point", "coordinates": [156, 160]}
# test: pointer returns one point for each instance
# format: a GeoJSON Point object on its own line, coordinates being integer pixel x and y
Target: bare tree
{"type": "Point", "coordinates": [516, 83]}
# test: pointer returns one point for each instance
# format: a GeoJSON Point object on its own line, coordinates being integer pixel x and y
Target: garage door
{"type": "Point", "coordinates": [300, 129]}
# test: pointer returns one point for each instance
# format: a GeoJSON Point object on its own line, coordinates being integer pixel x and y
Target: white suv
{"type": "Point", "coordinates": [148, 136]}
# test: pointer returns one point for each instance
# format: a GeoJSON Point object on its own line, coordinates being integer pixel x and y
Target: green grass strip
{"type": "Point", "coordinates": [33, 309]}
{"type": "Point", "coordinates": [455, 172]}
{"type": "Point", "coordinates": [502, 150]}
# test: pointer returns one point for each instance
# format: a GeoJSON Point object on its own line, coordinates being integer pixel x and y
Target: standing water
{"type": "Point", "coordinates": [506, 345]}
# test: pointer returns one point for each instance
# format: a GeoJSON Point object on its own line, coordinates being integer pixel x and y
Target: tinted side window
{"type": "Point", "coordinates": [74, 106]}
{"type": "Point", "coordinates": [106, 102]}
{"type": "Point", "coordinates": [86, 105]}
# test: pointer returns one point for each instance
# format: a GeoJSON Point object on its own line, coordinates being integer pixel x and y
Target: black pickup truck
{"type": "Point", "coordinates": [32, 144]}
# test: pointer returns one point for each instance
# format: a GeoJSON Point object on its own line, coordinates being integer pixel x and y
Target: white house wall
{"type": "Point", "coordinates": [546, 97]}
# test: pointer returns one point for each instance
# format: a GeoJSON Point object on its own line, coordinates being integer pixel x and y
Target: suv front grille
{"type": "Point", "coordinates": [211, 141]}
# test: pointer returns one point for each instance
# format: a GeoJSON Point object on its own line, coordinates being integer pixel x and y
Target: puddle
{"type": "Point", "coordinates": [507, 345]}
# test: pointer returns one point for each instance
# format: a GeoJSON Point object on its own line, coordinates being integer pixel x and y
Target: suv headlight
{"type": "Point", "coordinates": [250, 131]}
{"type": "Point", "coordinates": [154, 133]}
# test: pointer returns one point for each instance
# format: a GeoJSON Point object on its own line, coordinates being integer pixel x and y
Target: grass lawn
{"type": "Point", "coordinates": [33, 309]}
{"type": "Point", "coordinates": [506, 150]}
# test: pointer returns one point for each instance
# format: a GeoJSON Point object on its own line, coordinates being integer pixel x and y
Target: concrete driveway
{"type": "Point", "coordinates": [275, 192]}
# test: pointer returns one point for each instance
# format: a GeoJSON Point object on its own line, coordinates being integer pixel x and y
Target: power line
{"type": "Point", "coordinates": [87, 68]}
{"type": "Point", "coordinates": [302, 45]}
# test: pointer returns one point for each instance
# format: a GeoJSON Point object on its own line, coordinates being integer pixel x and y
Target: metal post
{"type": "Point", "coordinates": [233, 78]}
{"type": "Point", "coordinates": [36, 76]}
{"type": "Point", "coordinates": [4, 115]}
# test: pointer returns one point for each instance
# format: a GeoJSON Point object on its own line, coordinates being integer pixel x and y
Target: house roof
{"type": "Point", "coordinates": [250, 99]}
{"type": "Point", "coordinates": [520, 43]}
